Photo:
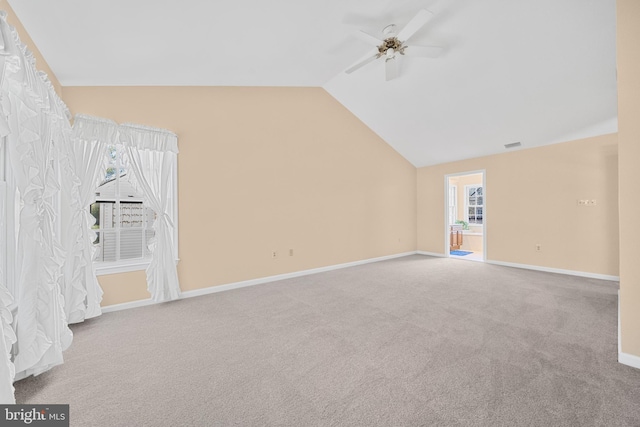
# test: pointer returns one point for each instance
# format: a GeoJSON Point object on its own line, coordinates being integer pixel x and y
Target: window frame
{"type": "Point", "coordinates": [135, 264]}
{"type": "Point", "coordinates": [127, 264]}
{"type": "Point", "coordinates": [467, 205]}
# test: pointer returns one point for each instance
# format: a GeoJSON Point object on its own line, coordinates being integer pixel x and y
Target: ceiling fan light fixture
{"type": "Point", "coordinates": [390, 44]}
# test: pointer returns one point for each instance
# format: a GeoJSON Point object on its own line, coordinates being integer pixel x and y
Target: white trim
{"type": "Point", "coordinates": [625, 358]}
{"type": "Point", "coordinates": [447, 227]}
{"type": "Point", "coordinates": [431, 254]}
{"type": "Point", "coordinates": [619, 333]}
{"type": "Point", "coordinates": [454, 189]}
{"type": "Point", "coordinates": [124, 266]}
{"type": "Point", "coordinates": [556, 270]}
{"type": "Point", "coordinates": [253, 282]}
{"type": "Point", "coordinates": [484, 215]}
{"type": "Point", "coordinates": [629, 360]}
{"type": "Point", "coordinates": [128, 305]}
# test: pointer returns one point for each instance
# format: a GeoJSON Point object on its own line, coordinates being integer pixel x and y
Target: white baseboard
{"type": "Point", "coordinates": [431, 254]}
{"type": "Point", "coordinates": [268, 279]}
{"type": "Point", "coordinates": [619, 331]}
{"type": "Point", "coordinates": [629, 360]}
{"type": "Point", "coordinates": [625, 358]}
{"type": "Point", "coordinates": [253, 282]}
{"type": "Point", "coordinates": [557, 270]}
{"type": "Point", "coordinates": [127, 305]}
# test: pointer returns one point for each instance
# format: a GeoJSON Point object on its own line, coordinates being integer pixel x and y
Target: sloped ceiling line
{"type": "Point", "coordinates": [536, 72]}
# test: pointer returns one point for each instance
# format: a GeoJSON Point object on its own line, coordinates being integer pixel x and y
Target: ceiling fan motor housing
{"type": "Point", "coordinates": [389, 31]}
{"type": "Point", "coordinates": [391, 43]}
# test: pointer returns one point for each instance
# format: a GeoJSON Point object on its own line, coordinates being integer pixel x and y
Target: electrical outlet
{"type": "Point", "coordinates": [274, 254]}
{"type": "Point", "coordinates": [290, 252]}
{"type": "Point", "coordinates": [538, 247]}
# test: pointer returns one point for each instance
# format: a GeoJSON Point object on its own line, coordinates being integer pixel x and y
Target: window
{"type": "Point", "coordinates": [474, 204]}
{"type": "Point", "coordinates": [123, 222]}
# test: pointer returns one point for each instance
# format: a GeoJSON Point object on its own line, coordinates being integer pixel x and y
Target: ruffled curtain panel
{"type": "Point", "coordinates": [52, 283]}
{"type": "Point", "coordinates": [7, 339]}
{"type": "Point", "coordinates": [33, 121]}
{"type": "Point", "coordinates": [152, 153]}
{"type": "Point", "coordinates": [84, 164]}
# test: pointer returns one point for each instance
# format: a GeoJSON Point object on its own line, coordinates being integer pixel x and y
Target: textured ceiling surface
{"type": "Point", "coordinates": [535, 72]}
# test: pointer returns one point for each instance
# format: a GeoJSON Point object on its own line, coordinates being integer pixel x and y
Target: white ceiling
{"type": "Point", "coordinates": [538, 72]}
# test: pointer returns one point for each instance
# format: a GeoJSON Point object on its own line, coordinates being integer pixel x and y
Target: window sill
{"type": "Point", "coordinates": [104, 268]}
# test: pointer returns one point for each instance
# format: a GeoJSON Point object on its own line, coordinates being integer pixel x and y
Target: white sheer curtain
{"type": "Point", "coordinates": [7, 369]}
{"type": "Point", "coordinates": [40, 148]}
{"type": "Point", "coordinates": [35, 122]}
{"type": "Point", "coordinates": [152, 153]}
{"type": "Point", "coordinates": [82, 166]}
{"type": "Point", "coordinates": [7, 335]}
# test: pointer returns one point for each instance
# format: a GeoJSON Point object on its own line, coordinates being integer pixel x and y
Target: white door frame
{"type": "Point", "coordinates": [448, 201]}
{"type": "Point", "coordinates": [484, 210]}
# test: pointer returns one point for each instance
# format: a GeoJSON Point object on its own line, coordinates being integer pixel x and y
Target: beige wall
{"type": "Point", "coordinates": [628, 57]}
{"type": "Point", "coordinates": [274, 169]}
{"type": "Point", "coordinates": [531, 197]}
{"type": "Point", "coordinates": [41, 64]}
{"type": "Point", "coordinates": [262, 170]}
{"type": "Point", "coordinates": [471, 242]}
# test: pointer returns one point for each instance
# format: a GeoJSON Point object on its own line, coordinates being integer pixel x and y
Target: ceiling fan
{"type": "Point", "coordinates": [393, 44]}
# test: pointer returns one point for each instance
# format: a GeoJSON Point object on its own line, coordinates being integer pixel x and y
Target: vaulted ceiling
{"type": "Point", "coordinates": [535, 72]}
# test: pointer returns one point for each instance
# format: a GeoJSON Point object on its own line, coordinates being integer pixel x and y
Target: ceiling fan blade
{"type": "Point", "coordinates": [414, 25]}
{"type": "Point", "coordinates": [423, 51]}
{"type": "Point", "coordinates": [367, 38]}
{"type": "Point", "coordinates": [391, 68]}
{"type": "Point", "coordinates": [364, 61]}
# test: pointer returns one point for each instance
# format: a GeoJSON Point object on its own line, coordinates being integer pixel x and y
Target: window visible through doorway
{"type": "Point", "coordinates": [474, 202]}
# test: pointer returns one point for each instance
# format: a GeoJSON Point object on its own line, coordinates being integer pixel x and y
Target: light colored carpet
{"type": "Point", "coordinates": [415, 341]}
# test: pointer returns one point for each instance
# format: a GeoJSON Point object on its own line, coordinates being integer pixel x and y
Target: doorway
{"type": "Point", "coordinates": [466, 216]}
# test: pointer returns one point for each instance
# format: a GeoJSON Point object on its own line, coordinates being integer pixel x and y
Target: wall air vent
{"type": "Point", "coordinates": [512, 145]}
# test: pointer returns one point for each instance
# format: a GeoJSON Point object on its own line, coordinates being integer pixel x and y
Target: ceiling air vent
{"type": "Point", "coordinates": [512, 145]}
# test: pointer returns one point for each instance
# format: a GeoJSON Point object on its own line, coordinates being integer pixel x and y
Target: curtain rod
{"type": "Point", "coordinates": [136, 126]}
{"type": "Point", "coordinates": [88, 118]}
{"type": "Point", "coordinates": [132, 126]}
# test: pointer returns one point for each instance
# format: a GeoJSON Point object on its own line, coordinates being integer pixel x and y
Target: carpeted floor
{"type": "Point", "coordinates": [415, 341]}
